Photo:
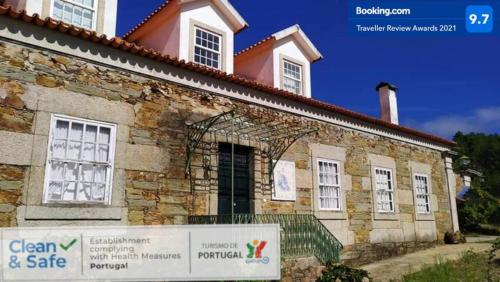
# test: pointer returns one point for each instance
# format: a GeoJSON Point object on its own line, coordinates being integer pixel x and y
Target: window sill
{"type": "Point", "coordinates": [73, 213]}
{"type": "Point", "coordinates": [332, 214]}
{"type": "Point", "coordinates": [424, 217]}
{"type": "Point", "coordinates": [385, 216]}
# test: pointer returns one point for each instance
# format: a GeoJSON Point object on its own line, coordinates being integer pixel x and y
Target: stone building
{"type": "Point", "coordinates": [138, 130]}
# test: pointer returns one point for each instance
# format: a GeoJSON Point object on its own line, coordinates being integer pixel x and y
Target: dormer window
{"type": "Point", "coordinates": [282, 60]}
{"type": "Point", "coordinates": [207, 48]}
{"type": "Point", "coordinates": [199, 32]}
{"type": "Point", "coordinates": [292, 77]}
{"type": "Point", "coordinates": [77, 12]}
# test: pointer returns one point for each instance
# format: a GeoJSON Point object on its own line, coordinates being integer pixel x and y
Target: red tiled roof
{"type": "Point", "coordinates": [273, 36]}
{"type": "Point", "coordinates": [254, 45]}
{"type": "Point", "coordinates": [121, 44]}
{"type": "Point", "coordinates": [144, 21]}
{"type": "Point", "coordinates": [151, 15]}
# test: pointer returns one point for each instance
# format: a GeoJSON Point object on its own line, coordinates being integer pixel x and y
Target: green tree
{"type": "Point", "coordinates": [484, 153]}
{"type": "Point", "coordinates": [478, 207]}
{"type": "Point", "coordinates": [481, 203]}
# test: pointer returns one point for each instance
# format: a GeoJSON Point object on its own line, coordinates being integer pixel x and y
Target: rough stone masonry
{"type": "Point", "coordinates": [149, 185]}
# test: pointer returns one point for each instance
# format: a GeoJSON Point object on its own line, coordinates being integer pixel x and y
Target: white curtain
{"type": "Point", "coordinates": [75, 143]}
{"type": "Point", "coordinates": [90, 140]}
{"type": "Point", "coordinates": [87, 172]}
{"type": "Point", "coordinates": [99, 190]}
{"type": "Point", "coordinates": [60, 139]}
{"type": "Point", "coordinates": [55, 190]}
{"type": "Point", "coordinates": [104, 137]}
{"type": "Point", "coordinates": [59, 142]}
{"type": "Point", "coordinates": [71, 176]}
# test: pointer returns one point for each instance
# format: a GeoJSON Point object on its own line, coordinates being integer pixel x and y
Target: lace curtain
{"type": "Point", "coordinates": [79, 162]}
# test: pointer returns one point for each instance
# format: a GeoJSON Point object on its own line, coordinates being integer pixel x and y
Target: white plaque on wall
{"type": "Point", "coordinates": [284, 181]}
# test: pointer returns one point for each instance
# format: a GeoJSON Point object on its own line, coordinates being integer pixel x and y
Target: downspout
{"type": "Point", "coordinates": [313, 202]}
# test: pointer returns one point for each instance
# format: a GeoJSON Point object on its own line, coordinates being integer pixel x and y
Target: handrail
{"type": "Point", "coordinates": [301, 234]}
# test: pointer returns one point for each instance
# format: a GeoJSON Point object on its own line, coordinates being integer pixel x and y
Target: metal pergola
{"type": "Point", "coordinates": [277, 136]}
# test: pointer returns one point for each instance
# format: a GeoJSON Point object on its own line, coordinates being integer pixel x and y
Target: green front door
{"type": "Point", "coordinates": [241, 179]}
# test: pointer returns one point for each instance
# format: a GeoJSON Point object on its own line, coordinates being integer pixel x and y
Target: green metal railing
{"type": "Point", "coordinates": [301, 234]}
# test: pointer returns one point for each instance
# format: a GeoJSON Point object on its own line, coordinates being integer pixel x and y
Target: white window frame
{"type": "Point", "coordinates": [111, 158]}
{"type": "Point", "coordinates": [337, 164]}
{"type": "Point", "coordinates": [219, 52]}
{"type": "Point", "coordinates": [427, 195]}
{"type": "Point", "coordinates": [391, 190]}
{"type": "Point", "coordinates": [94, 10]}
{"type": "Point", "coordinates": [300, 80]}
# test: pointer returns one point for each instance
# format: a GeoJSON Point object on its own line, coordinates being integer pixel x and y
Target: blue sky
{"type": "Point", "coordinates": [445, 84]}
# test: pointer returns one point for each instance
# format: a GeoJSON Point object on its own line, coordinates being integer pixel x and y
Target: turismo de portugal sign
{"type": "Point", "coordinates": [191, 252]}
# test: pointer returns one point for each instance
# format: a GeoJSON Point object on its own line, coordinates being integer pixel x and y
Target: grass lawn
{"type": "Point", "coordinates": [470, 267]}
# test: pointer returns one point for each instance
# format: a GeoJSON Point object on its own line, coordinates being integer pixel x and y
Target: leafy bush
{"type": "Point", "coordinates": [477, 208]}
{"type": "Point", "coordinates": [493, 260]}
{"type": "Point", "coordinates": [334, 271]}
{"type": "Point", "coordinates": [454, 237]}
{"type": "Point", "coordinates": [495, 217]}
{"type": "Point", "coordinates": [482, 203]}
{"type": "Point", "coordinates": [496, 246]}
{"type": "Point", "coordinates": [484, 153]}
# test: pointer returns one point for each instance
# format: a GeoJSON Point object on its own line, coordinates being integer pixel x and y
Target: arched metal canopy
{"type": "Point", "coordinates": [278, 135]}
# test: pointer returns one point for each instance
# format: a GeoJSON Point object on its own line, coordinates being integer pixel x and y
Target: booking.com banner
{"type": "Point", "coordinates": [193, 252]}
{"type": "Point", "coordinates": [424, 18]}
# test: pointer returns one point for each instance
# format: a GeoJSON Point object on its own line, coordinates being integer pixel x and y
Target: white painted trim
{"type": "Point", "coordinates": [158, 70]}
{"type": "Point", "coordinates": [314, 54]}
{"type": "Point", "coordinates": [34, 6]}
{"type": "Point", "coordinates": [110, 13]}
{"type": "Point", "coordinates": [341, 195]}
{"type": "Point", "coordinates": [70, 213]}
{"type": "Point", "coordinates": [233, 12]}
{"type": "Point", "coordinates": [392, 190]}
{"type": "Point", "coordinates": [429, 192]}
{"type": "Point", "coordinates": [285, 61]}
{"type": "Point", "coordinates": [452, 193]}
{"type": "Point", "coordinates": [221, 52]}
{"type": "Point", "coordinates": [111, 157]}
{"type": "Point", "coordinates": [228, 10]}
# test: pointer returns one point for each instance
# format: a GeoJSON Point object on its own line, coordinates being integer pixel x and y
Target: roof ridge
{"type": "Point", "coordinates": [265, 39]}
{"type": "Point", "coordinates": [127, 46]}
{"type": "Point", "coordinates": [260, 42]}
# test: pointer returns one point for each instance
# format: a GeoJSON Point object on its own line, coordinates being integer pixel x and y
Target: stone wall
{"type": "Point", "coordinates": [301, 269]}
{"type": "Point", "coordinates": [150, 201]}
{"type": "Point", "coordinates": [12, 179]}
{"type": "Point", "coordinates": [150, 186]}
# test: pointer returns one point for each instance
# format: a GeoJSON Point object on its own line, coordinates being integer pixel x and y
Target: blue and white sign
{"type": "Point", "coordinates": [422, 18]}
{"type": "Point", "coordinates": [284, 181]}
{"type": "Point", "coordinates": [191, 252]}
{"type": "Point", "coordinates": [479, 19]}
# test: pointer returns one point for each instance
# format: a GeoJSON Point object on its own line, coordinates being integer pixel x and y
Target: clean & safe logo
{"type": "Point", "coordinates": [38, 254]}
